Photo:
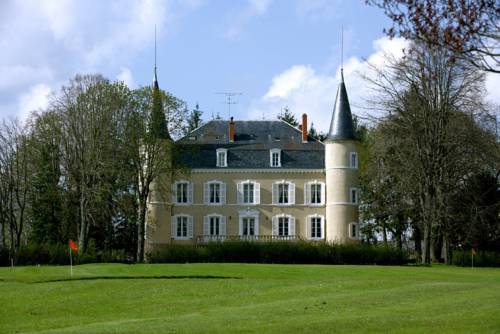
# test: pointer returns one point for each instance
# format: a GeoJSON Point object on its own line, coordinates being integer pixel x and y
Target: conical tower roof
{"type": "Point", "coordinates": [341, 126]}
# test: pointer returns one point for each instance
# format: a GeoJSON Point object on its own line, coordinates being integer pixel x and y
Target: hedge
{"type": "Point", "coordinates": [481, 259]}
{"type": "Point", "coordinates": [279, 252]}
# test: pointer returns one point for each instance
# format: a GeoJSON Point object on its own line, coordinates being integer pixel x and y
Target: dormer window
{"type": "Point", "coordinates": [221, 157]}
{"type": "Point", "coordinates": [275, 157]}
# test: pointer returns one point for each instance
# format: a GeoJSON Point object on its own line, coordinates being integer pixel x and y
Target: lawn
{"type": "Point", "coordinates": [248, 298]}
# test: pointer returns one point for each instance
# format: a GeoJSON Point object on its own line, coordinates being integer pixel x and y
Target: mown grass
{"type": "Point", "coordinates": [249, 298]}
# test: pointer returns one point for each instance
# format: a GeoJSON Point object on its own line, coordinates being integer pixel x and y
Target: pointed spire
{"type": "Point", "coordinates": [341, 126]}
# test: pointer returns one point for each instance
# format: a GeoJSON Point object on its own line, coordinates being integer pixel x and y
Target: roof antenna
{"type": "Point", "coordinates": [230, 99]}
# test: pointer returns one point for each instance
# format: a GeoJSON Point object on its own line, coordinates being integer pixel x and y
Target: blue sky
{"type": "Point", "coordinates": [276, 52]}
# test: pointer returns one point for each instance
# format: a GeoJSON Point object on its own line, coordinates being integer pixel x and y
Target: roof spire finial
{"type": "Point", "coordinates": [342, 55]}
{"type": "Point", "coordinates": [155, 78]}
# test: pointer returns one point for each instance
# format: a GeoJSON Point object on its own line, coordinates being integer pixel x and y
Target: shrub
{"type": "Point", "coordinates": [279, 252]}
{"type": "Point", "coordinates": [481, 259]}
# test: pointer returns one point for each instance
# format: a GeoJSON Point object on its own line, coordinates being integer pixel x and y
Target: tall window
{"type": "Point", "coordinates": [182, 226]}
{"type": "Point", "coordinates": [214, 192]}
{"type": "Point", "coordinates": [283, 225]}
{"type": "Point", "coordinates": [314, 193]}
{"type": "Point", "coordinates": [248, 192]}
{"type": "Point", "coordinates": [283, 193]}
{"type": "Point", "coordinates": [275, 157]}
{"type": "Point", "coordinates": [315, 227]}
{"type": "Point", "coordinates": [354, 196]}
{"type": "Point", "coordinates": [221, 157]}
{"type": "Point", "coordinates": [353, 160]}
{"type": "Point", "coordinates": [248, 227]}
{"type": "Point", "coordinates": [182, 192]}
{"type": "Point", "coordinates": [214, 225]}
{"type": "Point", "coordinates": [353, 231]}
{"type": "Point", "coordinates": [249, 223]}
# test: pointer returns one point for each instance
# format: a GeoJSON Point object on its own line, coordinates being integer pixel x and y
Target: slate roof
{"type": "Point", "coordinates": [251, 147]}
{"type": "Point", "coordinates": [341, 126]}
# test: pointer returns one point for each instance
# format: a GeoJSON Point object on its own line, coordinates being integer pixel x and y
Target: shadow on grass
{"type": "Point", "coordinates": [93, 278]}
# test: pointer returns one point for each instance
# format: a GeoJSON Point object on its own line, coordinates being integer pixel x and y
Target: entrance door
{"type": "Point", "coordinates": [248, 226]}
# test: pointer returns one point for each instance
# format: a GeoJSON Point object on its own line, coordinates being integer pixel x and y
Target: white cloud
{"type": "Point", "coordinates": [316, 10]}
{"type": "Point", "coordinates": [44, 43]}
{"type": "Point", "coordinates": [37, 98]}
{"type": "Point", "coordinates": [238, 20]}
{"type": "Point", "coordinates": [126, 76]}
{"type": "Point", "coordinates": [305, 90]}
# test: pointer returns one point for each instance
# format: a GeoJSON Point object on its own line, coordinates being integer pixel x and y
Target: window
{"type": "Point", "coordinates": [315, 227]}
{"type": "Point", "coordinates": [249, 223]}
{"type": "Point", "coordinates": [221, 157]}
{"type": "Point", "coordinates": [182, 227]}
{"type": "Point", "coordinates": [354, 196]}
{"type": "Point", "coordinates": [283, 193]}
{"type": "Point", "coordinates": [275, 157]}
{"type": "Point", "coordinates": [182, 192]}
{"type": "Point", "coordinates": [353, 161]}
{"type": "Point", "coordinates": [214, 192]}
{"type": "Point", "coordinates": [248, 192]}
{"type": "Point", "coordinates": [283, 225]}
{"type": "Point", "coordinates": [314, 193]}
{"type": "Point", "coordinates": [214, 225]}
{"type": "Point", "coordinates": [353, 231]}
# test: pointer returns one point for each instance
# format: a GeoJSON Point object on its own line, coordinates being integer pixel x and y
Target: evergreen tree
{"type": "Point", "coordinates": [194, 120]}
{"type": "Point", "coordinates": [287, 116]}
{"type": "Point", "coordinates": [158, 123]}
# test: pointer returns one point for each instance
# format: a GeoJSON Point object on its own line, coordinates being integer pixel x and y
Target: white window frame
{"type": "Point", "coordinates": [274, 151]}
{"type": "Point", "coordinates": [356, 227]}
{"type": "Point", "coordinates": [309, 227]}
{"type": "Point", "coordinates": [291, 225]}
{"type": "Point", "coordinates": [189, 193]}
{"type": "Point", "coordinates": [353, 195]}
{"type": "Point", "coordinates": [224, 163]}
{"type": "Point", "coordinates": [308, 193]}
{"type": "Point", "coordinates": [207, 194]}
{"type": "Point", "coordinates": [222, 225]}
{"type": "Point", "coordinates": [356, 164]}
{"type": "Point", "coordinates": [189, 227]}
{"type": "Point", "coordinates": [241, 196]}
{"type": "Point", "coordinates": [276, 193]}
{"type": "Point", "coordinates": [248, 214]}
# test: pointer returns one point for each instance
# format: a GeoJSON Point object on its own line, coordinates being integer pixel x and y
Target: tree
{"type": "Point", "coordinates": [194, 121]}
{"type": "Point", "coordinates": [468, 29]}
{"type": "Point", "coordinates": [431, 128]}
{"type": "Point", "coordinates": [287, 116]}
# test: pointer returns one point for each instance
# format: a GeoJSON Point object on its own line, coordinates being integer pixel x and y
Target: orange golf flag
{"type": "Point", "coordinates": [73, 246]}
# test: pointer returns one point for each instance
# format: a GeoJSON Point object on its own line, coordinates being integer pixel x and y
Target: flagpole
{"type": "Point", "coordinates": [472, 255]}
{"type": "Point", "coordinates": [71, 262]}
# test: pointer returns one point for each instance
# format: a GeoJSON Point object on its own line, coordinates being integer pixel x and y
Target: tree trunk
{"type": "Point", "coordinates": [426, 252]}
{"type": "Point", "coordinates": [417, 238]}
{"type": "Point", "coordinates": [141, 230]}
{"type": "Point", "coordinates": [82, 239]}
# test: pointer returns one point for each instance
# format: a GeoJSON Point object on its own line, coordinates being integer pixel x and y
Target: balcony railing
{"type": "Point", "coordinates": [262, 238]}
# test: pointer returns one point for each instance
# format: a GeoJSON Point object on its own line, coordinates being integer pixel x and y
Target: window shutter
{"type": "Point", "coordinates": [173, 225]}
{"type": "Point", "coordinates": [308, 227]}
{"type": "Point", "coordinates": [206, 225]}
{"type": "Point", "coordinates": [240, 230]}
{"type": "Point", "coordinates": [323, 194]}
{"type": "Point", "coordinates": [174, 192]}
{"type": "Point", "coordinates": [256, 225]}
{"type": "Point", "coordinates": [291, 193]}
{"type": "Point", "coordinates": [222, 228]}
{"type": "Point", "coordinates": [322, 227]}
{"type": "Point", "coordinates": [239, 195]}
{"type": "Point", "coordinates": [275, 225]}
{"type": "Point", "coordinates": [190, 192]}
{"type": "Point", "coordinates": [307, 193]}
{"type": "Point", "coordinates": [190, 226]}
{"type": "Point", "coordinates": [275, 193]}
{"type": "Point", "coordinates": [256, 199]}
{"type": "Point", "coordinates": [291, 228]}
{"type": "Point", "coordinates": [206, 193]}
{"type": "Point", "coordinates": [223, 193]}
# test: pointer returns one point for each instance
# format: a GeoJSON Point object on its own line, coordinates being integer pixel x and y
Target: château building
{"type": "Point", "coordinates": [261, 180]}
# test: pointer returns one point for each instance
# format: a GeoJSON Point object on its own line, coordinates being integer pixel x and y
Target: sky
{"type": "Point", "coordinates": [276, 53]}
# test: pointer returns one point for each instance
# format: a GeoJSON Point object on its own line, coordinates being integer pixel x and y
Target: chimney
{"type": "Point", "coordinates": [231, 131]}
{"type": "Point", "coordinates": [304, 128]}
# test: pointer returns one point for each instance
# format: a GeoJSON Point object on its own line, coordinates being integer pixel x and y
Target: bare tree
{"type": "Point", "coordinates": [469, 29]}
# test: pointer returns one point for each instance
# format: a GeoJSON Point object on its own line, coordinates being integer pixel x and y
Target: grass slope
{"type": "Point", "coordinates": [248, 298]}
